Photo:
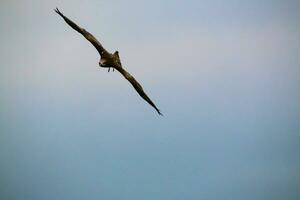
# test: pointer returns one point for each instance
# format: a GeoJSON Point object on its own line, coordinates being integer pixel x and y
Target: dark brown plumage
{"type": "Point", "coordinates": [109, 60]}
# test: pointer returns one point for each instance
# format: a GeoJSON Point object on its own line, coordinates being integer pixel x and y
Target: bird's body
{"type": "Point", "coordinates": [109, 60]}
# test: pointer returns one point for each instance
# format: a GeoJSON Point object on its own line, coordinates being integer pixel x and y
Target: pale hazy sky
{"type": "Point", "coordinates": [226, 75]}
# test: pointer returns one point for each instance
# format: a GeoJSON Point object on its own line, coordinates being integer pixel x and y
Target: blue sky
{"type": "Point", "coordinates": [224, 73]}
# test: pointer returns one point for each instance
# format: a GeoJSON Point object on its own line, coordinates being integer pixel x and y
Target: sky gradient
{"type": "Point", "coordinates": [225, 74]}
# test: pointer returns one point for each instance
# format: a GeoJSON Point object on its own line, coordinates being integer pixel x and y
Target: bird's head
{"type": "Point", "coordinates": [116, 53]}
{"type": "Point", "coordinates": [117, 58]}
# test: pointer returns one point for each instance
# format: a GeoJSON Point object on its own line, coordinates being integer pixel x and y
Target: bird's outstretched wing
{"type": "Point", "coordinates": [138, 88]}
{"type": "Point", "coordinates": [85, 33]}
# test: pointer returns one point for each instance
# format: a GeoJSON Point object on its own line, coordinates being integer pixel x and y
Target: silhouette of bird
{"type": "Point", "coordinates": [109, 60]}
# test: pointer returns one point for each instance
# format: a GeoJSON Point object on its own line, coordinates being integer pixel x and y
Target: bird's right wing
{"type": "Point", "coordinates": [85, 33]}
{"type": "Point", "coordinates": [137, 87]}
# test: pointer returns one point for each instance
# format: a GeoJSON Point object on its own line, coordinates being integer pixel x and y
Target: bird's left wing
{"type": "Point", "coordinates": [85, 33]}
{"type": "Point", "coordinates": [137, 87]}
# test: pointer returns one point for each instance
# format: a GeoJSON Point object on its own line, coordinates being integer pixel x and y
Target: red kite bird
{"type": "Point", "coordinates": [109, 60]}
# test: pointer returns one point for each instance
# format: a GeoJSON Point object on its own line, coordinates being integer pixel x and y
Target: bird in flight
{"type": "Point", "coordinates": [109, 60]}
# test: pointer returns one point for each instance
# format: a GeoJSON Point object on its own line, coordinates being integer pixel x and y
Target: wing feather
{"type": "Point", "coordinates": [138, 88]}
{"type": "Point", "coordinates": [85, 33]}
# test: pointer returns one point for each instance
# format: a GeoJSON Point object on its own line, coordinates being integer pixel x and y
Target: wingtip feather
{"type": "Point", "coordinates": [160, 113]}
{"type": "Point", "coordinates": [58, 12]}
